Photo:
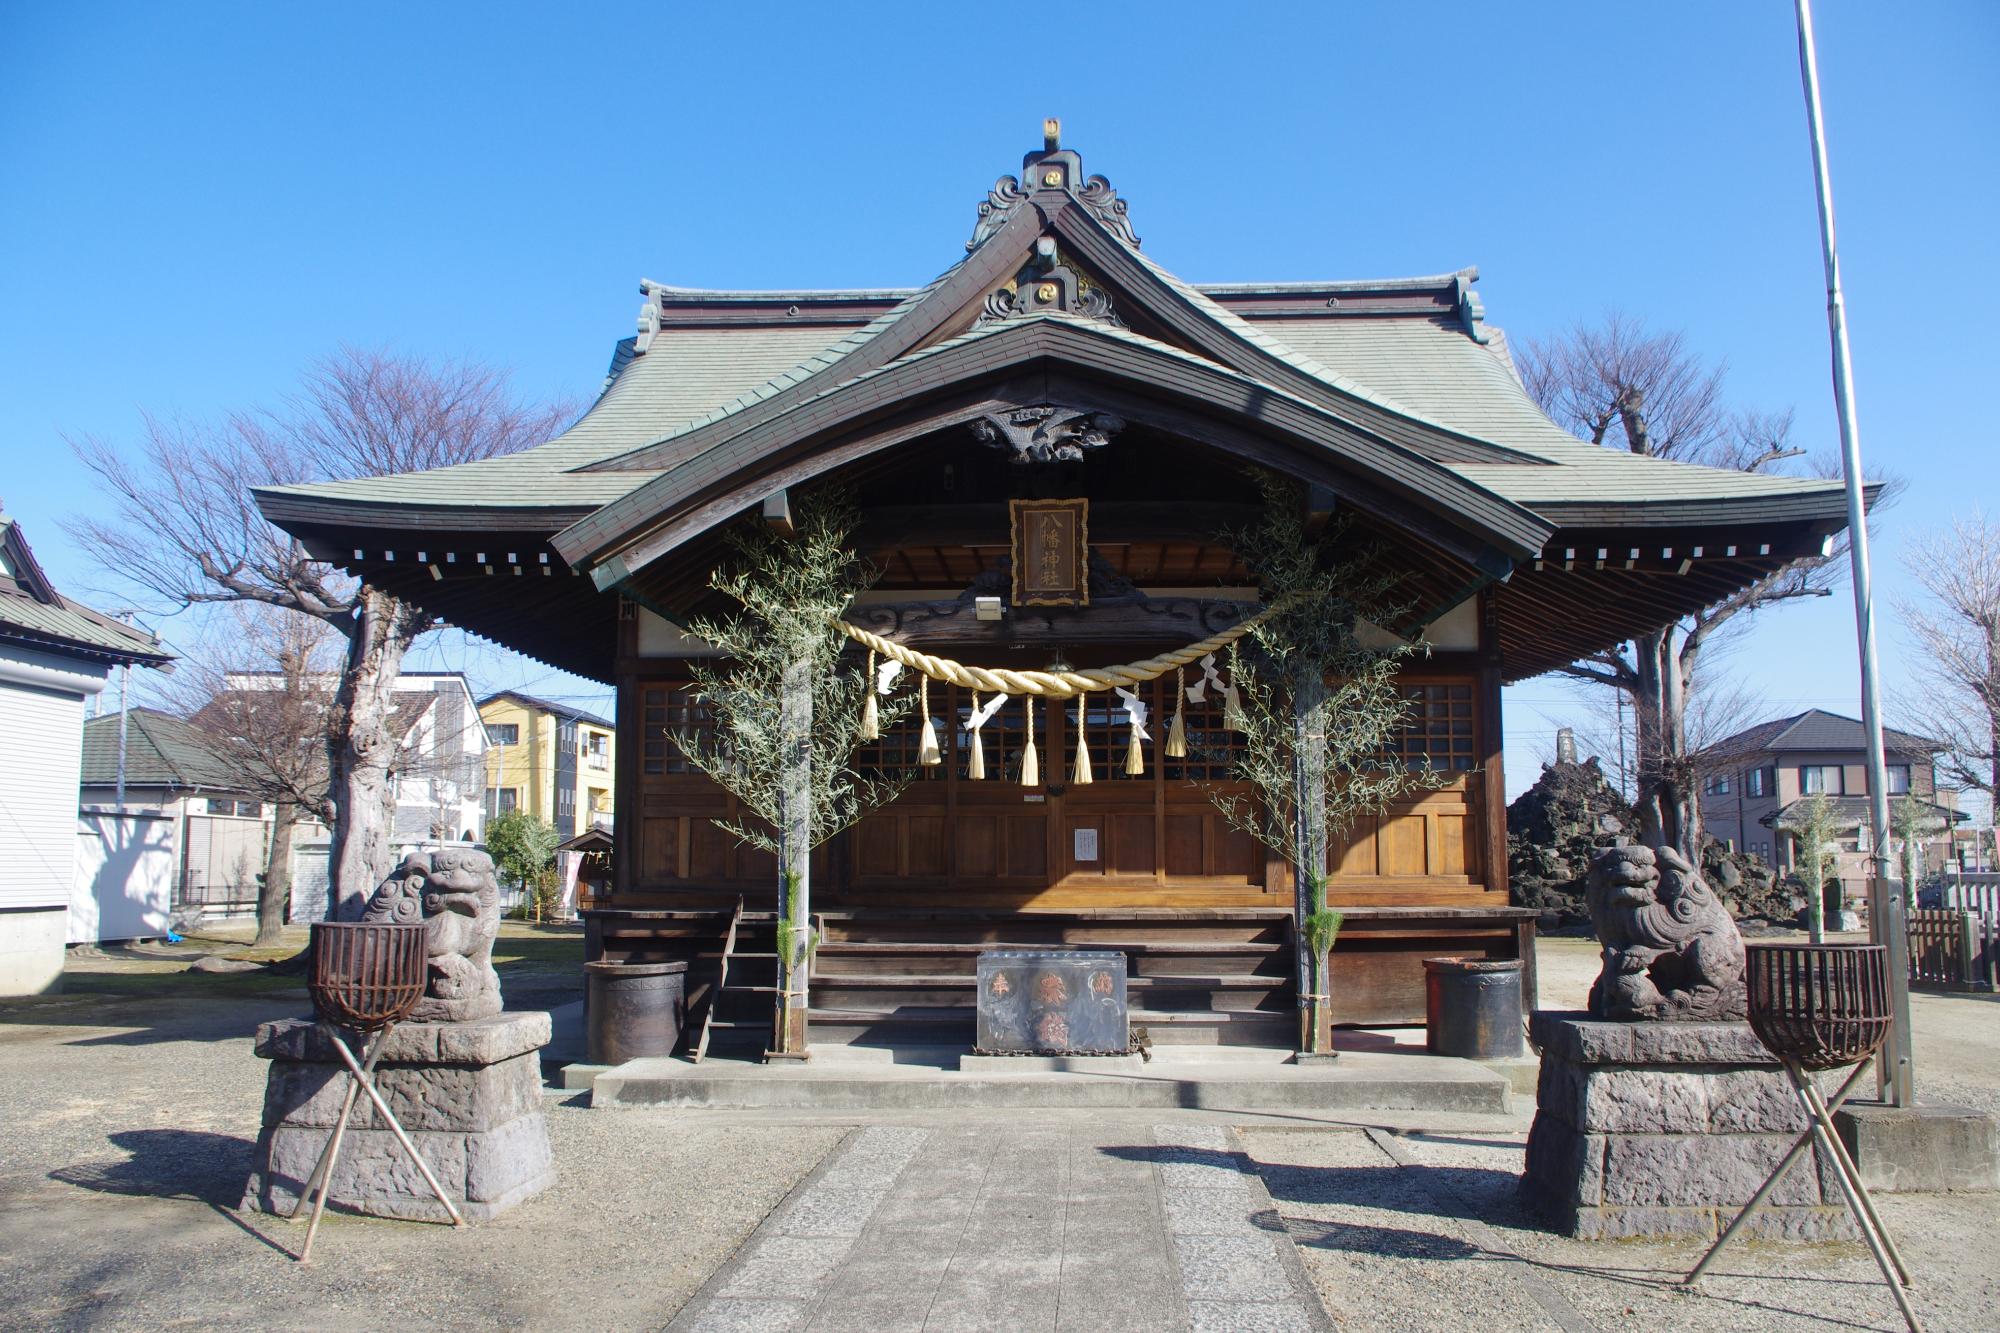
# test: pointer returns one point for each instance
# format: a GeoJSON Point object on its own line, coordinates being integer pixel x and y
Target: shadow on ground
{"type": "Point", "coordinates": [169, 1164]}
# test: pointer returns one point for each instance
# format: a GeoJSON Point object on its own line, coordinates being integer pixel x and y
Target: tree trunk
{"type": "Point", "coordinates": [274, 896]}
{"type": "Point", "coordinates": [362, 748]}
{"type": "Point", "coordinates": [1309, 857]}
{"type": "Point", "coordinates": [1667, 804]}
{"type": "Point", "coordinates": [795, 720]}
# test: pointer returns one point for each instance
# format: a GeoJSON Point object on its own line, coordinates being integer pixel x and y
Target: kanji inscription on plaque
{"type": "Point", "coordinates": [1050, 541]}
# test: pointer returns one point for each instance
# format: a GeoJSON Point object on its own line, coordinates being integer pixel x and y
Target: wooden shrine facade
{"type": "Point", "coordinates": [1056, 365]}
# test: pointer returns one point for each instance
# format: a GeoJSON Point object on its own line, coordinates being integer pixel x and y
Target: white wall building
{"type": "Point", "coordinates": [54, 654]}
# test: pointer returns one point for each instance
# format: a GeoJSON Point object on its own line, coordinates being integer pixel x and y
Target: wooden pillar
{"type": "Point", "coordinates": [628, 724]}
{"type": "Point", "coordinates": [1492, 776]}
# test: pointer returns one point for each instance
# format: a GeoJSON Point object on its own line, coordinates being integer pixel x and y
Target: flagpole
{"type": "Point", "coordinates": [1888, 919]}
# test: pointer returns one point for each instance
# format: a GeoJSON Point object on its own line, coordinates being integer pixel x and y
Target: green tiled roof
{"type": "Point", "coordinates": [32, 613]}
{"type": "Point", "coordinates": [160, 751]}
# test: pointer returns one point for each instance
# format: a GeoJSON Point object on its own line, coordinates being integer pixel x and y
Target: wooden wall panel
{"type": "Point", "coordinates": [659, 844]}
{"type": "Point", "coordinates": [1184, 845]}
{"type": "Point", "coordinates": [976, 846]}
{"type": "Point", "coordinates": [876, 854]}
{"type": "Point", "coordinates": [1131, 851]}
{"type": "Point", "coordinates": [925, 837]}
{"type": "Point", "coordinates": [1028, 847]}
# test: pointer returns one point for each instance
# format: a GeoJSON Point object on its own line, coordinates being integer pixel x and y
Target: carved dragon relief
{"type": "Point", "coordinates": [1047, 433]}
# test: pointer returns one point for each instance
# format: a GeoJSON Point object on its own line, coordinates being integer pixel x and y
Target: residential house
{"type": "Point", "coordinates": [54, 654]}
{"type": "Point", "coordinates": [1755, 798]}
{"type": "Point", "coordinates": [548, 758]}
{"type": "Point", "coordinates": [217, 831]}
{"type": "Point", "coordinates": [441, 774]}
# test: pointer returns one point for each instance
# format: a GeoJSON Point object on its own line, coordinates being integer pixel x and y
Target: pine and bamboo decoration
{"type": "Point", "coordinates": [1031, 764]}
{"type": "Point", "coordinates": [1318, 713]}
{"type": "Point", "coordinates": [1177, 733]}
{"type": "Point", "coordinates": [786, 717]}
{"type": "Point", "coordinates": [1081, 776]}
{"type": "Point", "coordinates": [928, 753]}
{"type": "Point", "coordinates": [975, 764]}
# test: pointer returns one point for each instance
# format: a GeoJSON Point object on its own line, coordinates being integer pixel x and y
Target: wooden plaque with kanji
{"type": "Point", "coordinates": [1051, 544]}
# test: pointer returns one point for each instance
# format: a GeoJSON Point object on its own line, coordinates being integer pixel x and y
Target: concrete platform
{"type": "Point", "coordinates": [1359, 1080]}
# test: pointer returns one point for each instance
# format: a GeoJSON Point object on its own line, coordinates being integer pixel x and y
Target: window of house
{"type": "Point", "coordinates": [1719, 785]}
{"type": "Point", "coordinates": [504, 733]}
{"type": "Point", "coordinates": [222, 806]}
{"type": "Point", "coordinates": [500, 800]}
{"type": "Point", "coordinates": [1820, 779]}
{"type": "Point", "coordinates": [1760, 782]}
{"type": "Point", "coordinates": [595, 742]}
{"type": "Point", "coordinates": [1437, 729]}
{"type": "Point", "coordinates": [1898, 778]}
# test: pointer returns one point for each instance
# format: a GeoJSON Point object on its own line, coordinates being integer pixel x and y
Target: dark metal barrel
{"type": "Point", "coordinates": [633, 1010]}
{"type": "Point", "coordinates": [1472, 1007]}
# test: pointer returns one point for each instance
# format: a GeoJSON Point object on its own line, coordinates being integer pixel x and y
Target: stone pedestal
{"type": "Point", "coordinates": [469, 1094]}
{"type": "Point", "coordinates": [1666, 1130]}
{"type": "Point", "coordinates": [1921, 1149]}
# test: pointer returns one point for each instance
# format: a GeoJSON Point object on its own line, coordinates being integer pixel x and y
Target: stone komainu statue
{"type": "Point", "coordinates": [1671, 950]}
{"type": "Point", "coordinates": [454, 893]}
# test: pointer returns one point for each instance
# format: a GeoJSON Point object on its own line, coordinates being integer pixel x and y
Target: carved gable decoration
{"type": "Point", "coordinates": [1048, 433]}
{"type": "Point", "coordinates": [1051, 545]}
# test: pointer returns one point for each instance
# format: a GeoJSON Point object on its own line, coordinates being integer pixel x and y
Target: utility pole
{"type": "Point", "coordinates": [1888, 918]}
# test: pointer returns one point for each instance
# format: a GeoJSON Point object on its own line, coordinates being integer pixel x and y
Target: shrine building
{"type": "Point", "coordinates": [1054, 362]}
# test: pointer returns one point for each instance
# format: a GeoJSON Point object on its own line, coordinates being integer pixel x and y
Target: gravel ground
{"type": "Point", "coordinates": [1431, 1227]}
{"type": "Point", "coordinates": [130, 1129]}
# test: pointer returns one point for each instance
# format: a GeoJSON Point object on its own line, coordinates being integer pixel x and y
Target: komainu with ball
{"type": "Point", "coordinates": [1671, 951]}
{"type": "Point", "coordinates": [454, 893]}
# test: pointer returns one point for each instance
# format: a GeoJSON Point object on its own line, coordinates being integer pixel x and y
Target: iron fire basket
{"type": "Point", "coordinates": [1819, 1007]}
{"type": "Point", "coordinates": [367, 976]}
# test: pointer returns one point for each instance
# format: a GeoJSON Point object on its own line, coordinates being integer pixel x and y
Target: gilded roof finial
{"type": "Point", "coordinates": [1051, 134]}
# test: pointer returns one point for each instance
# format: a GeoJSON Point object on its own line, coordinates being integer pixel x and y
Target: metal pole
{"type": "Point", "coordinates": [124, 684]}
{"type": "Point", "coordinates": [1887, 912]}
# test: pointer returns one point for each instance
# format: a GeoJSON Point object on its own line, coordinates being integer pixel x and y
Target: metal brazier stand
{"type": "Point", "coordinates": [1819, 1007]}
{"type": "Point", "coordinates": [367, 976]}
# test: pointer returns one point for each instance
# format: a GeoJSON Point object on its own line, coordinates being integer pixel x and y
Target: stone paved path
{"type": "Point", "coordinates": [1099, 1227]}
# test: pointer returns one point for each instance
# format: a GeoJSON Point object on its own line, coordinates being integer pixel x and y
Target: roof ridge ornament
{"type": "Point", "coordinates": [1053, 168]}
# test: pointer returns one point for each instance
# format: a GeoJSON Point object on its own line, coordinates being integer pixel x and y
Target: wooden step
{"type": "Point", "coordinates": [1135, 946]}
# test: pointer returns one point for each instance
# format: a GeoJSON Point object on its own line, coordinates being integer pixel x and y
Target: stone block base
{"type": "Point", "coordinates": [1921, 1149]}
{"type": "Point", "coordinates": [469, 1095]}
{"type": "Point", "coordinates": [1665, 1130]}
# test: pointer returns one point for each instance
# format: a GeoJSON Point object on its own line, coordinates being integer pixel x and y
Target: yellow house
{"type": "Point", "coordinates": [547, 758]}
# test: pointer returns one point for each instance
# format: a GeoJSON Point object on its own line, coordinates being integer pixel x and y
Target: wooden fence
{"type": "Point", "coordinates": [1957, 946]}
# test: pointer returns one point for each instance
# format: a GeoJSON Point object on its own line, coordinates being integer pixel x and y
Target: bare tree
{"type": "Point", "coordinates": [1957, 625]}
{"type": "Point", "coordinates": [183, 526]}
{"type": "Point", "coordinates": [1618, 385]}
{"type": "Point", "coordinates": [274, 740]}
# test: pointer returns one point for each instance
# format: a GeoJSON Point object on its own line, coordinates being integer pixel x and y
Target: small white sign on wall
{"type": "Point", "coordinates": [1086, 844]}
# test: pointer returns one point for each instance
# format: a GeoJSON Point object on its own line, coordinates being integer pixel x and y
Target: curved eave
{"type": "Point", "coordinates": [820, 433]}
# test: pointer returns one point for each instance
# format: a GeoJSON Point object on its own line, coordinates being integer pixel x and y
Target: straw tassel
{"type": "Point", "coordinates": [1135, 756]}
{"type": "Point", "coordinates": [871, 719]}
{"type": "Point", "coordinates": [1177, 734]}
{"type": "Point", "coordinates": [1082, 775]}
{"type": "Point", "coordinates": [975, 766]}
{"type": "Point", "coordinates": [928, 753]}
{"type": "Point", "coordinates": [1031, 765]}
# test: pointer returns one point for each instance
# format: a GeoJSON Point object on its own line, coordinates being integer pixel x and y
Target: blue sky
{"type": "Point", "coordinates": [196, 200]}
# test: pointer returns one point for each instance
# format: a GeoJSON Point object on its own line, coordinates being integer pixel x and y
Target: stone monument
{"type": "Point", "coordinates": [463, 1077]}
{"type": "Point", "coordinates": [1658, 1112]}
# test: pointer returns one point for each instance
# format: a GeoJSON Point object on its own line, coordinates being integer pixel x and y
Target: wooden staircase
{"type": "Point", "coordinates": [1221, 976]}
